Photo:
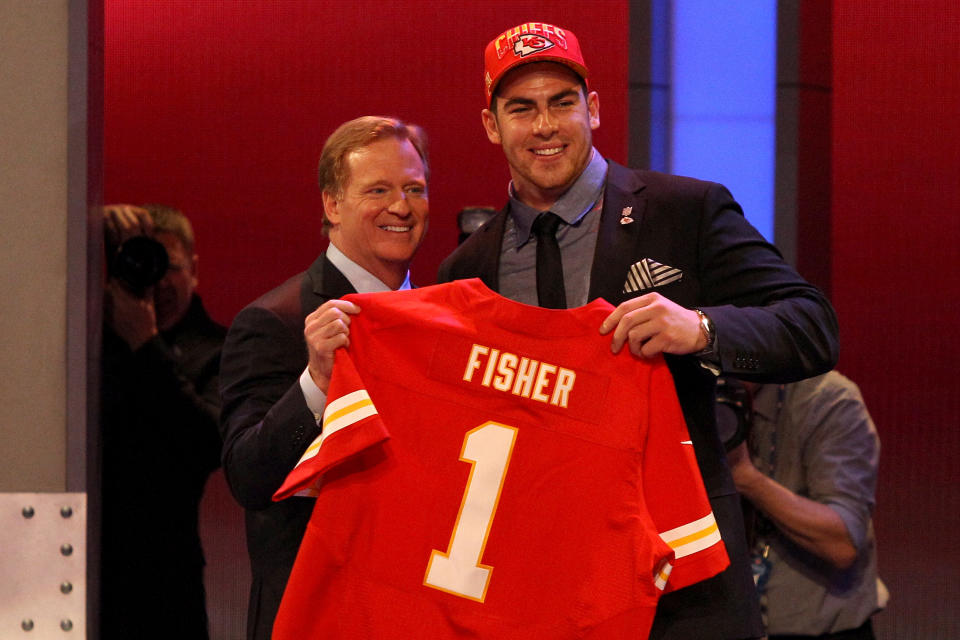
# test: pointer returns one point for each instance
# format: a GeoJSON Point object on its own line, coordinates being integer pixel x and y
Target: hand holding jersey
{"type": "Point", "coordinates": [653, 324]}
{"type": "Point", "coordinates": [325, 330]}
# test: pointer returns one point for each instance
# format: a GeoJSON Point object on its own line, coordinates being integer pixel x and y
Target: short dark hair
{"type": "Point", "coordinates": [333, 171]}
{"type": "Point", "coordinates": [172, 220]}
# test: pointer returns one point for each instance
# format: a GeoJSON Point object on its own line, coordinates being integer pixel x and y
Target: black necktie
{"type": "Point", "coordinates": [550, 291]}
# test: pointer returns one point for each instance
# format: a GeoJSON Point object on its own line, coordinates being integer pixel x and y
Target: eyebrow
{"type": "Point", "coordinates": [387, 183]}
{"type": "Point", "coordinates": [566, 93]}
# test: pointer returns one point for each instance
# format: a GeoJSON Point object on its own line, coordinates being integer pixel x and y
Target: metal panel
{"type": "Point", "coordinates": [43, 553]}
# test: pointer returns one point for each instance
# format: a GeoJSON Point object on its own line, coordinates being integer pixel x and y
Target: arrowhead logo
{"type": "Point", "coordinates": [529, 43]}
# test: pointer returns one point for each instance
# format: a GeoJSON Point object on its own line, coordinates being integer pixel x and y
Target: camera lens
{"type": "Point", "coordinates": [140, 262]}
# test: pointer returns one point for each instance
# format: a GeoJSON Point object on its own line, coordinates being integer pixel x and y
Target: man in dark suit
{"type": "Point", "coordinates": [279, 351]}
{"type": "Point", "coordinates": [691, 278]}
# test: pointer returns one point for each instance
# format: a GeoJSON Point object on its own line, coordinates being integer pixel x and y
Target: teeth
{"type": "Point", "coordinates": [548, 152]}
{"type": "Point", "coordinates": [395, 228]}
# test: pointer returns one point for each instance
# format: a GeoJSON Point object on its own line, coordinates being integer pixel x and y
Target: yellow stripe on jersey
{"type": "Point", "coordinates": [692, 537]}
{"type": "Point", "coordinates": [342, 412]}
{"type": "Point", "coordinates": [662, 576]}
{"type": "Point", "coordinates": [345, 407]}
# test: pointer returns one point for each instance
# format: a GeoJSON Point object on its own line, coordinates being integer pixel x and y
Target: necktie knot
{"type": "Point", "coordinates": [546, 224]}
{"type": "Point", "coordinates": [550, 289]}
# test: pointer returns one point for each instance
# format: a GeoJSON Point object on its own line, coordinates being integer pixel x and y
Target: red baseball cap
{"type": "Point", "coordinates": [526, 43]}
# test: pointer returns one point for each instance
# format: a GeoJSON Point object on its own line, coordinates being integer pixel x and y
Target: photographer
{"type": "Point", "coordinates": [160, 409]}
{"type": "Point", "coordinates": [808, 467]}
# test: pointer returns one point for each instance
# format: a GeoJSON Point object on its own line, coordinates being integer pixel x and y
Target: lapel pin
{"type": "Point", "coordinates": [626, 219]}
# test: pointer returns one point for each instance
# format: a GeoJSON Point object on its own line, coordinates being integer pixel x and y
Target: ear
{"type": "Point", "coordinates": [194, 267]}
{"type": "Point", "coordinates": [593, 108]}
{"type": "Point", "coordinates": [489, 119]}
{"type": "Point", "coordinates": [330, 208]}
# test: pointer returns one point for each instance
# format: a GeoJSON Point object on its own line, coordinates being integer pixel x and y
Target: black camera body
{"type": "Point", "coordinates": [139, 263]}
{"type": "Point", "coordinates": [734, 412]}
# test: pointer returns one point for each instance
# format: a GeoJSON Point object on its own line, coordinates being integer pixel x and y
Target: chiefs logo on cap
{"type": "Point", "coordinates": [529, 44]}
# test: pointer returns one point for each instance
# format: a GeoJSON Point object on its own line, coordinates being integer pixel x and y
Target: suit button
{"type": "Point", "coordinates": [297, 436]}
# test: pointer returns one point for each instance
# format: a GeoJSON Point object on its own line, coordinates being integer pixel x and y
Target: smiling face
{"type": "Point", "coordinates": [544, 123]}
{"type": "Point", "coordinates": [381, 215]}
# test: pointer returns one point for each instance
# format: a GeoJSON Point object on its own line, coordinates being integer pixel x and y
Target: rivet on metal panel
{"type": "Point", "coordinates": [66, 625]}
{"type": "Point", "coordinates": [27, 624]}
{"type": "Point", "coordinates": [28, 512]}
{"type": "Point", "coordinates": [66, 587]}
{"type": "Point", "coordinates": [66, 511]}
{"type": "Point", "coordinates": [66, 548]}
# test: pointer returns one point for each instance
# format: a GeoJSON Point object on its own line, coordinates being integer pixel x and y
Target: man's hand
{"type": "Point", "coordinates": [741, 467]}
{"type": "Point", "coordinates": [124, 221]}
{"type": "Point", "coordinates": [133, 319]}
{"type": "Point", "coordinates": [652, 324]}
{"type": "Point", "coordinates": [326, 330]}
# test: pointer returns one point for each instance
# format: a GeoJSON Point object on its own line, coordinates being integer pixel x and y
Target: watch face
{"type": "Point", "coordinates": [706, 326]}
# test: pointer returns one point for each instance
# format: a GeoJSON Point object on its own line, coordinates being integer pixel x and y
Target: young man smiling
{"type": "Point", "coordinates": [690, 277]}
{"type": "Point", "coordinates": [543, 122]}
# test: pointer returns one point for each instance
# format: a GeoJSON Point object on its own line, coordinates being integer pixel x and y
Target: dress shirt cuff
{"type": "Point", "coordinates": [854, 522]}
{"type": "Point", "coordinates": [316, 399]}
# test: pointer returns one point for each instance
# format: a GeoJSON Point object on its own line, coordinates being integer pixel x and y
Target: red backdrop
{"type": "Point", "coordinates": [221, 107]}
{"type": "Point", "coordinates": [896, 284]}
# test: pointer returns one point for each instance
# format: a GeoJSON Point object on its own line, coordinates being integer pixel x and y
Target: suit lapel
{"type": "Point", "coordinates": [617, 241]}
{"type": "Point", "coordinates": [483, 257]}
{"type": "Point", "coordinates": [323, 281]}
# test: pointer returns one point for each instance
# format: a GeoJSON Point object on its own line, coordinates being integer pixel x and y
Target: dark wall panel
{"type": "Point", "coordinates": [896, 284]}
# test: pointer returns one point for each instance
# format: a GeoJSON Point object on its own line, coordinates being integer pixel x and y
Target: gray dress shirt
{"type": "Point", "coordinates": [580, 209]}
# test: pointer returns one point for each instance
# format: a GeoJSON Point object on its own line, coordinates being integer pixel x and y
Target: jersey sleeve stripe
{"type": "Point", "coordinates": [357, 412]}
{"type": "Point", "coordinates": [662, 576]}
{"type": "Point", "coordinates": [699, 542]}
{"type": "Point", "coordinates": [342, 412]}
{"type": "Point", "coordinates": [344, 405]}
{"type": "Point", "coordinates": [692, 537]}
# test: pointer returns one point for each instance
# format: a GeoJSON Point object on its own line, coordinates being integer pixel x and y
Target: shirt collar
{"type": "Point", "coordinates": [362, 280]}
{"type": "Point", "coordinates": [579, 199]}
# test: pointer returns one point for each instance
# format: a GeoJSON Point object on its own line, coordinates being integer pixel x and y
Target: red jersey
{"type": "Point", "coordinates": [489, 469]}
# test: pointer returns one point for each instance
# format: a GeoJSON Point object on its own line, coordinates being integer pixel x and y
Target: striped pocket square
{"type": "Point", "coordinates": [647, 274]}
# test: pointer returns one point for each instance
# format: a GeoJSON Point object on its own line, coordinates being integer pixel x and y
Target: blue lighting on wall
{"type": "Point", "coordinates": [724, 99]}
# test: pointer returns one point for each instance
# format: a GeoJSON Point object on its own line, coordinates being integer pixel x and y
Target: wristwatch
{"type": "Point", "coordinates": [709, 332]}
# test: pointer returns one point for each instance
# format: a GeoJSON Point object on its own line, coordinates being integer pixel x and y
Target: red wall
{"type": "Point", "coordinates": [221, 108]}
{"type": "Point", "coordinates": [896, 284]}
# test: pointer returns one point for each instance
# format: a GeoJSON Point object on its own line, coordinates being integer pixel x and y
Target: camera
{"type": "Point", "coordinates": [139, 263]}
{"type": "Point", "coordinates": [734, 412]}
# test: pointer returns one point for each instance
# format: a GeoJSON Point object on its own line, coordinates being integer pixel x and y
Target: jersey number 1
{"type": "Point", "coordinates": [458, 571]}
